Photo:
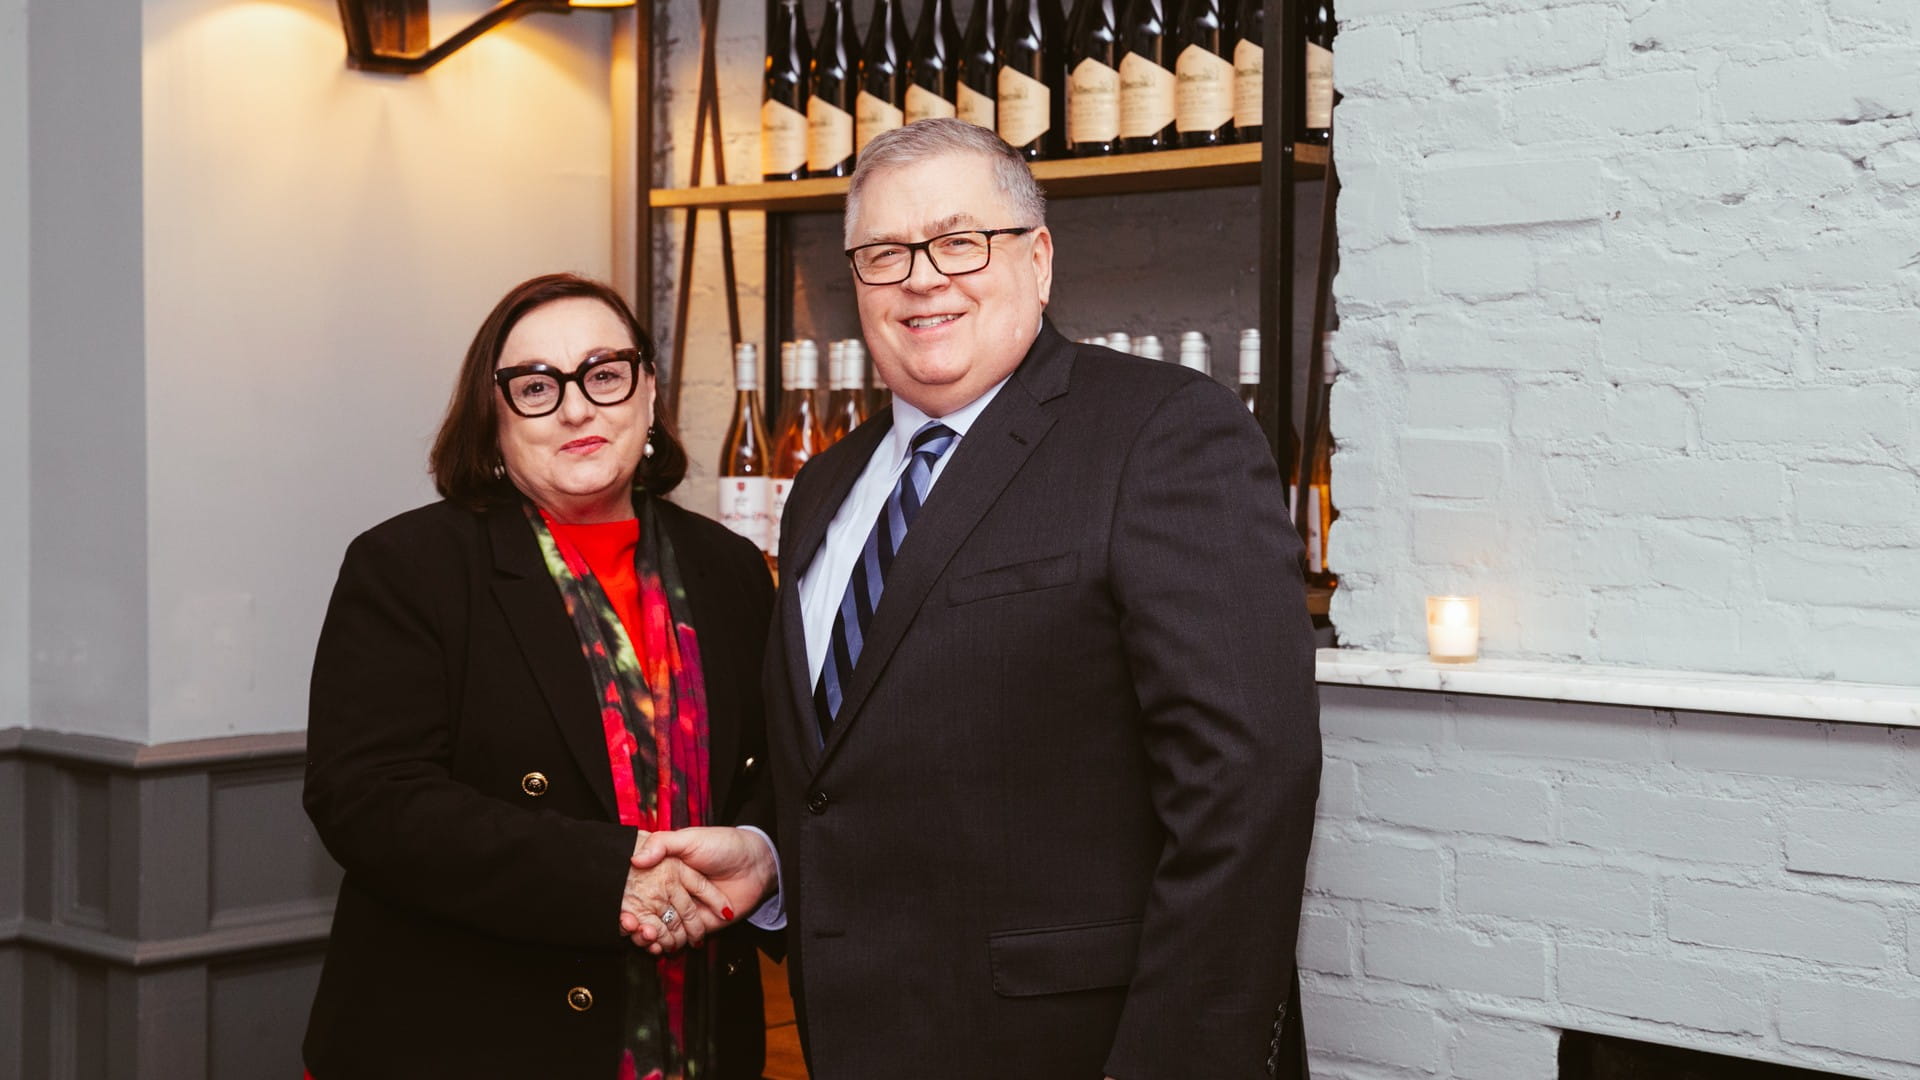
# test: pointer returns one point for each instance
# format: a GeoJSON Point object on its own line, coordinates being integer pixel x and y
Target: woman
{"type": "Point", "coordinates": [513, 688]}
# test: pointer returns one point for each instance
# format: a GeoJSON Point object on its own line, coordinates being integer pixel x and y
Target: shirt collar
{"type": "Point", "coordinates": [907, 419]}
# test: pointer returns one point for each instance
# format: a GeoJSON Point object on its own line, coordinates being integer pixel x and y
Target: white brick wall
{"type": "Point", "coordinates": [1493, 871]}
{"type": "Point", "coordinates": [1629, 336]}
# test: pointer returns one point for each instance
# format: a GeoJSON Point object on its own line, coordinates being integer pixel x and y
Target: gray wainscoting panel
{"type": "Point", "coordinates": [266, 863]}
{"type": "Point", "coordinates": [163, 910]}
{"type": "Point", "coordinates": [249, 1005]}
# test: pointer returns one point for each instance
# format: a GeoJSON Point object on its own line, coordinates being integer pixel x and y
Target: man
{"type": "Point", "coordinates": [1041, 707]}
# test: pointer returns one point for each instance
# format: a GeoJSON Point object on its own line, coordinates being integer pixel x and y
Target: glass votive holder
{"type": "Point", "coordinates": [1453, 629]}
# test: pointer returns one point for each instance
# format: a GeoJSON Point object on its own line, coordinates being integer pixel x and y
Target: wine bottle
{"type": "Point", "coordinates": [933, 65]}
{"type": "Point", "coordinates": [977, 73]}
{"type": "Point", "coordinates": [1203, 101]}
{"type": "Point", "coordinates": [1321, 514]}
{"type": "Point", "coordinates": [1031, 110]}
{"type": "Point", "coordinates": [744, 460]}
{"type": "Point", "coordinates": [831, 88]}
{"type": "Point", "coordinates": [1249, 69]}
{"type": "Point", "coordinates": [1093, 79]}
{"type": "Point", "coordinates": [1146, 83]}
{"type": "Point", "coordinates": [883, 75]}
{"type": "Point", "coordinates": [845, 407]}
{"type": "Point", "coordinates": [1319, 95]}
{"type": "Point", "coordinates": [783, 108]}
{"type": "Point", "coordinates": [1250, 369]}
{"type": "Point", "coordinates": [798, 435]}
{"type": "Point", "coordinates": [1194, 352]}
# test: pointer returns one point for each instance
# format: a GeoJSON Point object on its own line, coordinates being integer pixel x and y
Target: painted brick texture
{"type": "Point", "coordinates": [1628, 337]}
{"type": "Point", "coordinates": [1499, 870]}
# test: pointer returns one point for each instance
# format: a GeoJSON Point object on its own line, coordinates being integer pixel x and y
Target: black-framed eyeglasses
{"type": "Point", "coordinates": [890, 262]}
{"type": "Point", "coordinates": [607, 378]}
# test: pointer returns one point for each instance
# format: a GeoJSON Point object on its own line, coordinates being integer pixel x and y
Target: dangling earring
{"type": "Point", "coordinates": [499, 470]}
{"type": "Point", "coordinates": [647, 450]}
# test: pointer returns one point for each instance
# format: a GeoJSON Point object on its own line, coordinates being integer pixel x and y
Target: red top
{"type": "Point", "coordinates": [608, 549]}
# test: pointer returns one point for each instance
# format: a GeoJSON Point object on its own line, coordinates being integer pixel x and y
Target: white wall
{"type": "Point", "coordinates": [1627, 298]}
{"type": "Point", "coordinates": [14, 273]}
{"type": "Point", "coordinates": [321, 245]}
{"type": "Point", "coordinates": [1488, 872]}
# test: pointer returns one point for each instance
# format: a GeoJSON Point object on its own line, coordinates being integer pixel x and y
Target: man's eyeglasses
{"type": "Point", "coordinates": [951, 254]}
{"type": "Point", "coordinates": [608, 378]}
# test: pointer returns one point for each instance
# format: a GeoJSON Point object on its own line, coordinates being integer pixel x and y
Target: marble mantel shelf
{"type": "Point", "coordinates": [1753, 695]}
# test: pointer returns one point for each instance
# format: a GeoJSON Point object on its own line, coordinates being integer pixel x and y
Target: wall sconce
{"type": "Point", "coordinates": [390, 36]}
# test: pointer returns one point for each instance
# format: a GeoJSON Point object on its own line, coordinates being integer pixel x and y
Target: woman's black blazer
{"type": "Point", "coordinates": [457, 770]}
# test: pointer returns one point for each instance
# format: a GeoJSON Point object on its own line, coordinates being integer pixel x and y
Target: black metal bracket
{"type": "Point", "coordinates": [389, 36]}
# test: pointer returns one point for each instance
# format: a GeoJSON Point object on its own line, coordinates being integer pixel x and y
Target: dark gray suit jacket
{"type": "Point", "coordinates": [1060, 829]}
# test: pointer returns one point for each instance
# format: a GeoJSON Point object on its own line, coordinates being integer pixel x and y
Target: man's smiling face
{"type": "Point", "coordinates": [939, 342]}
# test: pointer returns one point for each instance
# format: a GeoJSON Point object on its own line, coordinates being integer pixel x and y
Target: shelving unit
{"type": "Point", "coordinates": [1273, 166]}
{"type": "Point", "coordinates": [1236, 165]}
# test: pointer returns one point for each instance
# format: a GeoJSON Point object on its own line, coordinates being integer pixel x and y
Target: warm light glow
{"type": "Point", "coordinates": [601, 3]}
{"type": "Point", "coordinates": [1453, 629]}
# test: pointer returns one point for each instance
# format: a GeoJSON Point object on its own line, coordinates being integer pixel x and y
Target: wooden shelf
{"type": "Point", "coordinates": [1121, 174]}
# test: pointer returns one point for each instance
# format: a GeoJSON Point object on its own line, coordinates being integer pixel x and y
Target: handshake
{"type": "Point", "coordinates": [685, 884]}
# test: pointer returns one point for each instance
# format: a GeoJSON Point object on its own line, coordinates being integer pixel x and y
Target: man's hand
{"type": "Point", "coordinates": [736, 863]}
{"type": "Point", "coordinates": [667, 905]}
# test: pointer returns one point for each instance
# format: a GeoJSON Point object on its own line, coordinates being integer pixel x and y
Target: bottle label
{"type": "Point", "coordinates": [783, 138]}
{"type": "Point", "coordinates": [1093, 103]}
{"type": "Point", "coordinates": [1026, 107]}
{"type": "Point", "coordinates": [872, 116]}
{"type": "Point", "coordinates": [1319, 86]}
{"type": "Point", "coordinates": [1204, 101]}
{"type": "Point", "coordinates": [974, 107]}
{"type": "Point", "coordinates": [924, 104]}
{"type": "Point", "coordinates": [743, 507]}
{"type": "Point", "coordinates": [829, 134]}
{"type": "Point", "coordinates": [776, 508]}
{"type": "Point", "coordinates": [1146, 97]}
{"type": "Point", "coordinates": [1249, 83]}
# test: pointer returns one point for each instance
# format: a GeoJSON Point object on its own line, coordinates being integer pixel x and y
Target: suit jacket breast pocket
{"type": "Point", "coordinates": [1029, 576]}
{"type": "Point", "coordinates": [1063, 959]}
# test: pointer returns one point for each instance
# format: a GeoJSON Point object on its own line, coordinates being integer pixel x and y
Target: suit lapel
{"type": "Point", "coordinates": [990, 455]}
{"type": "Point", "coordinates": [537, 616]}
{"type": "Point", "coordinates": [800, 544]}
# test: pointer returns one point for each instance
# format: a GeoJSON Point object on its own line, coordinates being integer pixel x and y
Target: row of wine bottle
{"type": "Point", "coordinates": [1118, 76]}
{"type": "Point", "coordinates": [756, 467]}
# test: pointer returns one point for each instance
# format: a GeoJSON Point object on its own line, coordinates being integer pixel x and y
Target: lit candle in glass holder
{"type": "Point", "coordinates": [1453, 629]}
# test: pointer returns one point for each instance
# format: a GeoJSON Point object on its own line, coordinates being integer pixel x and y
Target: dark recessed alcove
{"type": "Point", "coordinates": [1585, 1056]}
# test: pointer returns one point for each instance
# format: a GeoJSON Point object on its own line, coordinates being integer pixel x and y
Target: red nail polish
{"type": "Point", "coordinates": [726, 913]}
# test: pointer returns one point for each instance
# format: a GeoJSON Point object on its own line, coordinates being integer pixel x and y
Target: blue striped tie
{"type": "Point", "coordinates": [869, 575]}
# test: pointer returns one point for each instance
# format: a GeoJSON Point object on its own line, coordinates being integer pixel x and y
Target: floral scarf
{"type": "Point", "coordinates": [654, 713]}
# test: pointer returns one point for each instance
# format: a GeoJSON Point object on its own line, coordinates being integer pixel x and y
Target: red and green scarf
{"type": "Point", "coordinates": [654, 712]}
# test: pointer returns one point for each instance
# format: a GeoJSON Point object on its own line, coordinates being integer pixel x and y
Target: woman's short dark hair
{"type": "Point", "coordinates": [465, 460]}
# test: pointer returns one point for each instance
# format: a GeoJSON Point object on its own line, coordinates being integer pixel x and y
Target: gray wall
{"type": "Point", "coordinates": [1628, 320]}
{"type": "Point", "coordinates": [86, 302]}
{"type": "Point", "coordinates": [14, 271]}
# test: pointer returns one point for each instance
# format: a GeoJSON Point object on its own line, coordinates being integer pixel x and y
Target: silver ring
{"type": "Point", "coordinates": [669, 917]}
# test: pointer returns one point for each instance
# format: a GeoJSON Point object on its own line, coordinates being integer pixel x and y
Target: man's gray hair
{"type": "Point", "coordinates": [926, 139]}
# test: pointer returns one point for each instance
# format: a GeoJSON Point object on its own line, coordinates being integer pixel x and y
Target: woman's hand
{"type": "Point", "coordinates": [736, 863]}
{"type": "Point", "coordinates": [668, 905]}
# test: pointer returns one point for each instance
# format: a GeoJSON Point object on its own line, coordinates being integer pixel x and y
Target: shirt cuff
{"type": "Point", "coordinates": [772, 912]}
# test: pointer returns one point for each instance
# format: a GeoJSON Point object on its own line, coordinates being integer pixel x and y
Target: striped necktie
{"type": "Point", "coordinates": [869, 575]}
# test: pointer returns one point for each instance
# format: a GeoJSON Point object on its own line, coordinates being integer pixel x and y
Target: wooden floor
{"type": "Point", "coordinates": [783, 1037]}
